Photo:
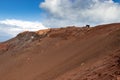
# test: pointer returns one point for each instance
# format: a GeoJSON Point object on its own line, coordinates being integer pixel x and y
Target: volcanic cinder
{"type": "Point", "coordinates": [71, 53]}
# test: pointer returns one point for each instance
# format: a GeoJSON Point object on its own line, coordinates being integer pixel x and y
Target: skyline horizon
{"type": "Point", "coordinates": [19, 15]}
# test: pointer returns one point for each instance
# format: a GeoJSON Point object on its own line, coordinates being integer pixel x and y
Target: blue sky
{"type": "Point", "coordinates": [20, 15]}
{"type": "Point", "coordinates": [20, 9]}
{"type": "Point", "coordinates": [117, 1]}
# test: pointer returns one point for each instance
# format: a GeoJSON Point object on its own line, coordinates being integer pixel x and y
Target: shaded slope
{"type": "Point", "coordinates": [60, 54]}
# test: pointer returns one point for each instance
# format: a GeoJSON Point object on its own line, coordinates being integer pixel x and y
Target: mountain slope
{"type": "Point", "coordinates": [70, 53]}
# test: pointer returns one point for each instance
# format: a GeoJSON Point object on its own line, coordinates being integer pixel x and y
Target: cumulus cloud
{"type": "Point", "coordinates": [80, 12]}
{"type": "Point", "coordinates": [11, 27]}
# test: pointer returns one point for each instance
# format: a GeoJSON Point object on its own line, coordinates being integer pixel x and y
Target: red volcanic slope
{"type": "Point", "coordinates": [71, 53]}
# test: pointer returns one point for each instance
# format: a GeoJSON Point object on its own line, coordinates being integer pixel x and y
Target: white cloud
{"type": "Point", "coordinates": [11, 27]}
{"type": "Point", "coordinates": [80, 12]}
